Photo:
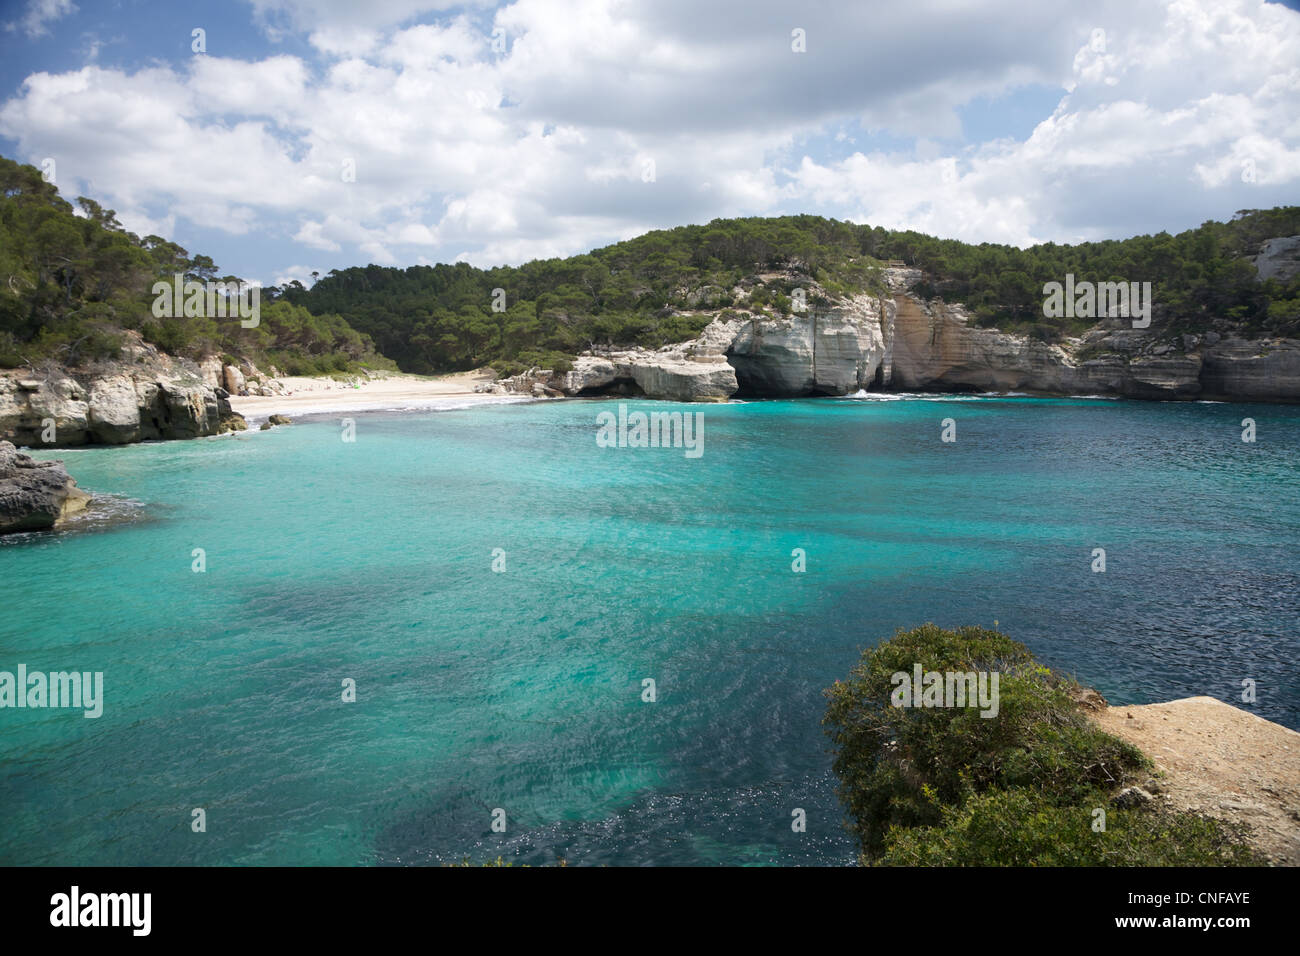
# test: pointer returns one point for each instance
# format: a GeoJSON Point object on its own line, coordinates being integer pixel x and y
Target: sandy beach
{"type": "Point", "coordinates": [315, 396]}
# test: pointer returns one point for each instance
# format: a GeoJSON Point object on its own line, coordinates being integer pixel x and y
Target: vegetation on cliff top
{"type": "Point", "coordinates": [946, 786]}
{"type": "Point", "coordinates": [440, 318]}
{"type": "Point", "coordinates": [70, 284]}
{"type": "Point", "coordinates": [653, 290]}
{"type": "Point", "coordinates": [1197, 276]}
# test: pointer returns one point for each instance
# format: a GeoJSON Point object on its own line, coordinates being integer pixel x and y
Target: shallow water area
{"type": "Point", "coordinates": [521, 688]}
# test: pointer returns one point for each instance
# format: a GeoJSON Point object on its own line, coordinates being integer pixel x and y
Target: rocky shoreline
{"type": "Point", "coordinates": [903, 343]}
{"type": "Point", "coordinates": [144, 395]}
{"type": "Point", "coordinates": [896, 342]}
{"type": "Point", "coordinates": [1218, 760]}
{"type": "Point", "coordinates": [35, 495]}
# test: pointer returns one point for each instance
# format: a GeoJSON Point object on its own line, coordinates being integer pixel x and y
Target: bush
{"type": "Point", "coordinates": [507, 368]}
{"type": "Point", "coordinates": [1016, 828]}
{"type": "Point", "coordinates": [75, 344]}
{"type": "Point", "coordinates": [10, 354]}
{"type": "Point", "coordinates": [557, 362]}
{"type": "Point", "coordinates": [169, 334]}
{"type": "Point", "coordinates": [1044, 333]}
{"type": "Point", "coordinates": [928, 783]}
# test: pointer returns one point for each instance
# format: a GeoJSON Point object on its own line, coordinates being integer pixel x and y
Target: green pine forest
{"type": "Point", "coordinates": [71, 284]}
{"type": "Point", "coordinates": [72, 281]}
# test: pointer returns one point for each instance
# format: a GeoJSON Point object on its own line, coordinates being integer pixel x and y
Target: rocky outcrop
{"type": "Point", "coordinates": [695, 371]}
{"type": "Point", "coordinates": [832, 350]}
{"type": "Point", "coordinates": [35, 495]}
{"type": "Point", "coordinates": [903, 342]}
{"type": "Point", "coordinates": [1252, 371]}
{"type": "Point", "coordinates": [233, 380]}
{"type": "Point", "coordinates": [823, 351]}
{"type": "Point", "coordinates": [146, 395]}
{"type": "Point", "coordinates": [242, 379]}
{"type": "Point", "coordinates": [676, 375]}
{"type": "Point", "coordinates": [211, 371]}
{"type": "Point", "coordinates": [933, 345]}
{"type": "Point", "coordinates": [1279, 259]}
{"type": "Point", "coordinates": [1220, 761]}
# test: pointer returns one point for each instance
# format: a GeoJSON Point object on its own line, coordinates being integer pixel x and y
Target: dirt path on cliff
{"type": "Point", "coordinates": [1223, 762]}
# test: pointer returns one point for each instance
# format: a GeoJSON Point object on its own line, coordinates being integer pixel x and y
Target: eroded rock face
{"type": "Point", "coordinates": [590, 373]}
{"type": "Point", "coordinates": [35, 495]}
{"type": "Point", "coordinates": [150, 397]}
{"type": "Point", "coordinates": [210, 370]}
{"type": "Point", "coordinates": [903, 343]}
{"type": "Point", "coordinates": [1163, 377]}
{"type": "Point", "coordinates": [1279, 259]}
{"type": "Point", "coordinates": [674, 376]}
{"type": "Point", "coordinates": [688, 379]}
{"type": "Point", "coordinates": [27, 407]}
{"type": "Point", "coordinates": [827, 351]}
{"type": "Point", "coordinates": [113, 414]}
{"type": "Point", "coordinates": [234, 380]}
{"type": "Point", "coordinates": [117, 409]}
{"type": "Point", "coordinates": [695, 371]}
{"type": "Point", "coordinates": [1262, 371]}
{"type": "Point", "coordinates": [933, 345]}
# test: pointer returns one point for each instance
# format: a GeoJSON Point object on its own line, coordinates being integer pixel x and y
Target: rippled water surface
{"type": "Point", "coordinates": [522, 689]}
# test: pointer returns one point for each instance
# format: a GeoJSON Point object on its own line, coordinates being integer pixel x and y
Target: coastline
{"type": "Point", "coordinates": [1223, 761]}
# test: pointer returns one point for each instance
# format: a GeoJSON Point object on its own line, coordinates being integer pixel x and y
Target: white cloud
{"type": "Point", "coordinates": [409, 141]}
{"type": "Point", "coordinates": [1169, 111]}
{"type": "Point", "coordinates": [312, 234]}
{"type": "Point", "coordinates": [301, 274]}
{"type": "Point", "coordinates": [345, 27]}
{"type": "Point", "coordinates": [40, 14]}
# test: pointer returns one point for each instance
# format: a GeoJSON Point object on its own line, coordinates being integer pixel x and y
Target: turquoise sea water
{"type": "Point", "coordinates": [522, 689]}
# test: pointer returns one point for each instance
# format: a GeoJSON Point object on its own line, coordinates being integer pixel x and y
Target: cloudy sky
{"type": "Point", "coordinates": [317, 134]}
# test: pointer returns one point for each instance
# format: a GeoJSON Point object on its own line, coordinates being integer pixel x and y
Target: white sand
{"type": "Point", "coordinates": [314, 396]}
